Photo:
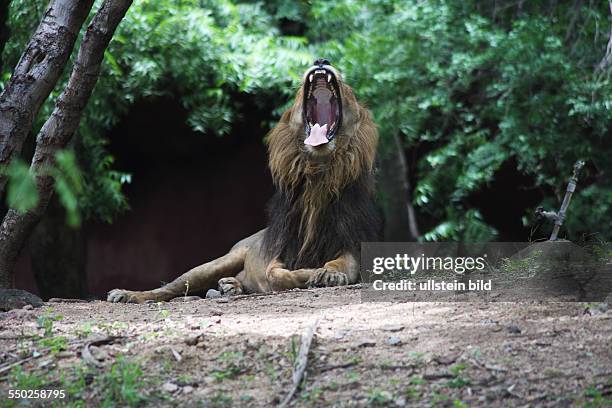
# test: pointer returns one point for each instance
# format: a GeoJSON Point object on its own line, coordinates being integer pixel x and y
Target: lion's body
{"type": "Point", "coordinates": [322, 210]}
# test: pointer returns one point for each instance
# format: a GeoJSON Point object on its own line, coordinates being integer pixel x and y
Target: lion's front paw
{"type": "Point", "coordinates": [230, 286]}
{"type": "Point", "coordinates": [324, 277]}
{"type": "Point", "coordinates": [125, 296]}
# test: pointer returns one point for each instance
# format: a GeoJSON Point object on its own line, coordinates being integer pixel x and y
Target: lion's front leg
{"type": "Point", "coordinates": [339, 272]}
{"type": "Point", "coordinates": [280, 278]}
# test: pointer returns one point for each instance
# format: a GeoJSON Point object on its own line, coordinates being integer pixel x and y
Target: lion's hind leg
{"type": "Point", "coordinates": [200, 278]}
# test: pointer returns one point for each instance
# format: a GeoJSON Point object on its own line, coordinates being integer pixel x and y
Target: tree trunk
{"type": "Point", "coordinates": [58, 255]}
{"type": "Point", "coordinates": [37, 73]}
{"type": "Point", "coordinates": [59, 128]}
{"type": "Point", "coordinates": [394, 187]}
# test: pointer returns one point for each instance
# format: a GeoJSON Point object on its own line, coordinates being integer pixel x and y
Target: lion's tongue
{"type": "Point", "coordinates": [317, 135]}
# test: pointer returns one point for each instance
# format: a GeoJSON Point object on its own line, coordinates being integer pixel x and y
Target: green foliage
{"type": "Point", "coordinates": [22, 193]}
{"type": "Point", "coordinates": [68, 184]}
{"type": "Point", "coordinates": [477, 86]}
{"type": "Point", "coordinates": [122, 384]}
{"type": "Point", "coordinates": [233, 366]}
{"type": "Point", "coordinates": [54, 344]}
{"type": "Point", "coordinates": [45, 321]}
{"type": "Point", "coordinates": [119, 385]}
{"type": "Point", "coordinates": [379, 398]}
{"type": "Point", "coordinates": [21, 379]}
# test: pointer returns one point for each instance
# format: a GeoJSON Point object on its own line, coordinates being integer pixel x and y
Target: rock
{"type": "Point", "coordinates": [98, 353]}
{"type": "Point", "coordinates": [188, 389]}
{"type": "Point", "coordinates": [446, 360]}
{"type": "Point", "coordinates": [394, 341]}
{"type": "Point", "coordinates": [364, 343]}
{"type": "Point", "coordinates": [213, 294]}
{"type": "Point", "coordinates": [339, 335]}
{"type": "Point", "coordinates": [170, 387]}
{"type": "Point", "coordinates": [194, 340]}
{"type": "Point", "coordinates": [400, 402]}
{"type": "Point", "coordinates": [252, 344]}
{"type": "Point", "coordinates": [513, 329]}
{"type": "Point", "coordinates": [392, 327]}
{"type": "Point", "coordinates": [17, 299]}
{"type": "Point", "coordinates": [28, 307]}
{"type": "Point", "coordinates": [489, 321]}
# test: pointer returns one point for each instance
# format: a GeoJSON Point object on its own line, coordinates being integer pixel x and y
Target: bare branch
{"type": "Point", "coordinates": [300, 363]}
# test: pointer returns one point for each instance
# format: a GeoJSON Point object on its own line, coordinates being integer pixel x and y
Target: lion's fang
{"type": "Point", "coordinates": [310, 77]}
{"type": "Point", "coordinates": [328, 77]}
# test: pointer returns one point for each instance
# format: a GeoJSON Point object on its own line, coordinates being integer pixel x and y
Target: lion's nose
{"type": "Point", "coordinates": [322, 61]}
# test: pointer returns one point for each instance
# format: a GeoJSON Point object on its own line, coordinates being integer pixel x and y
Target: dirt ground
{"type": "Point", "coordinates": [240, 352]}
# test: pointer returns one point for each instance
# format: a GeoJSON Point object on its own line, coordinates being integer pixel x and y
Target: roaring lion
{"type": "Point", "coordinates": [321, 156]}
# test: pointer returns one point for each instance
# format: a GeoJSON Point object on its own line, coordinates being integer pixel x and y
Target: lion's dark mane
{"type": "Point", "coordinates": [346, 221]}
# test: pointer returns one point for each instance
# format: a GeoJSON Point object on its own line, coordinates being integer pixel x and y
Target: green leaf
{"type": "Point", "coordinates": [68, 185]}
{"type": "Point", "coordinates": [22, 194]}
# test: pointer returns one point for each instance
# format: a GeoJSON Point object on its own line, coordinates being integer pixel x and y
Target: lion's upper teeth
{"type": "Point", "coordinates": [320, 71]}
{"type": "Point", "coordinates": [328, 77]}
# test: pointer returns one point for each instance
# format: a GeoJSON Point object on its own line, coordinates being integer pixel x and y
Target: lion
{"type": "Point", "coordinates": [321, 156]}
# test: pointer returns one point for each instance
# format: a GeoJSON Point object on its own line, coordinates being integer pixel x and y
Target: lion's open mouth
{"type": "Point", "coordinates": [322, 107]}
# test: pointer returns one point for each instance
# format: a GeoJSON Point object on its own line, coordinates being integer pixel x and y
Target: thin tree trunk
{"type": "Point", "coordinates": [58, 255]}
{"type": "Point", "coordinates": [37, 73]}
{"type": "Point", "coordinates": [59, 128]}
{"type": "Point", "coordinates": [399, 217]}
